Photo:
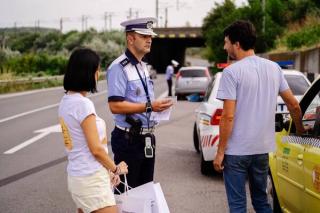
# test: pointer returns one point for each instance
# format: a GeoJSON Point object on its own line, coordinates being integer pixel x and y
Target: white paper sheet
{"type": "Point", "coordinates": [165, 114]}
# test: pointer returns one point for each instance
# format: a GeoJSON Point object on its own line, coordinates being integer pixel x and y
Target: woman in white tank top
{"type": "Point", "coordinates": [91, 172]}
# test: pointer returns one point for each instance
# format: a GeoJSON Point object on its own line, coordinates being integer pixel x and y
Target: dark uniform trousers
{"type": "Point", "coordinates": [169, 87]}
{"type": "Point", "coordinates": [130, 149]}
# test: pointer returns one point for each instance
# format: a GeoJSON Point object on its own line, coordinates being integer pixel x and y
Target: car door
{"type": "Point", "coordinates": [289, 169]}
{"type": "Point", "coordinates": [303, 192]}
{"type": "Point", "coordinates": [311, 157]}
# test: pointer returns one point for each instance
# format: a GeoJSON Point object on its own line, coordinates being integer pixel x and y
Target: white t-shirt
{"type": "Point", "coordinates": [254, 83]}
{"type": "Point", "coordinates": [73, 109]}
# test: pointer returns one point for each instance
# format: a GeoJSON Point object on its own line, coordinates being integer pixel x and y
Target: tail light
{"type": "Point", "coordinates": [215, 119]}
{"type": "Point", "coordinates": [207, 73]}
{"type": "Point", "coordinates": [178, 75]}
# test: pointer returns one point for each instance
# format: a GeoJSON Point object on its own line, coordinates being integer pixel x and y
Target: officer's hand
{"type": "Point", "coordinates": [162, 104]}
{"type": "Point", "coordinates": [122, 168]}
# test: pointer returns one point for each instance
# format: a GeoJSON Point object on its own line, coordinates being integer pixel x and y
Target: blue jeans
{"type": "Point", "coordinates": [237, 168]}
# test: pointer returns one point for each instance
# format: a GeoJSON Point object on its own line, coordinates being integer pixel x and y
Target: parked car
{"type": "Point", "coordinates": [206, 126]}
{"type": "Point", "coordinates": [193, 79]}
{"type": "Point", "coordinates": [298, 83]}
{"type": "Point", "coordinates": [294, 178]}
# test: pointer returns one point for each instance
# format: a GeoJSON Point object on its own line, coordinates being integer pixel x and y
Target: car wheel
{"type": "Point", "coordinates": [272, 195]}
{"type": "Point", "coordinates": [179, 97]}
{"type": "Point", "coordinates": [196, 138]}
{"type": "Point", "coordinates": [206, 167]}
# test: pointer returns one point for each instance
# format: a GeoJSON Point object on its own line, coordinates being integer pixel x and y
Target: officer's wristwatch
{"type": "Point", "coordinates": [148, 107]}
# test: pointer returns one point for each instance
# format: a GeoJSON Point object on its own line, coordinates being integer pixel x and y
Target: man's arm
{"type": "Point", "coordinates": [225, 129]}
{"type": "Point", "coordinates": [294, 109]}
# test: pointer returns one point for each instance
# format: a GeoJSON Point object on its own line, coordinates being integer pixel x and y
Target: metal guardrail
{"type": "Point", "coordinates": [36, 79]}
{"type": "Point", "coordinates": [30, 80]}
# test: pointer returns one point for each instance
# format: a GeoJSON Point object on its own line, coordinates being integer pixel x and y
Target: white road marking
{"type": "Point", "coordinates": [27, 113]}
{"type": "Point", "coordinates": [29, 92]}
{"type": "Point", "coordinates": [40, 109]}
{"type": "Point", "coordinates": [43, 132]}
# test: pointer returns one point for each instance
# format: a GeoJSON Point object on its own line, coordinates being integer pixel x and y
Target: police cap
{"type": "Point", "coordinates": [140, 25]}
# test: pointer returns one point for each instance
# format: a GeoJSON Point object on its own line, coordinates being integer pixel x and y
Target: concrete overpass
{"type": "Point", "coordinates": [171, 43]}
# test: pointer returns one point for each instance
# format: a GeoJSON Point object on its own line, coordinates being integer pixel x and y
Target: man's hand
{"type": "Point", "coordinates": [301, 131]}
{"type": "Point", "coordinates": [162, 104]}
{"type": "Point", "coordinates": [217, 163]}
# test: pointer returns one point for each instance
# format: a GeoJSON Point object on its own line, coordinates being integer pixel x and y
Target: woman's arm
{"type": "Point", "coordinates": [90, 130]}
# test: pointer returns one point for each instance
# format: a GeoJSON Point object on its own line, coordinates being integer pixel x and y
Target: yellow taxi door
{"type": "Point", "coordinates": [289, 172]}
{"type": "Point", "coordinates": [312, 176]}
{"type": "Point", "coordinates": [311, 161]}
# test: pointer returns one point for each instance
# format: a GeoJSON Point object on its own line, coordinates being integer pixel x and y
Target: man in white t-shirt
{"type": "Point", "coordinates": [249, 89]}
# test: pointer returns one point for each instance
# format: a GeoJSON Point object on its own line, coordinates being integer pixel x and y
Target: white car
{"type": "Point", "coordinates": [206, 127]}
{"type": "Point", "coordinates": [191, 80]}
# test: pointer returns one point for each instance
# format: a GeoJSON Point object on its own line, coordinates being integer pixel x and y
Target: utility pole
{"type": "Point", "coordinates": [15, 28]}
{"type": "Point", "coordinates": [110, 21]}
{"type": "Point", "coordinates": [166, 18]}
{"type": "Point", "coordinates": [84, 22]}
{"type": "Point", "coordinates": [157, 12]}
{"type": "Point", "coordinates": [264, 16]}
{"type": "Point", "coordinates": [137, 14]}
{"type": "Point", "coordinates": [36, 25]}
{"type": "Point", "coordinates": [61, 24]}
{"type": "Point", "coordinates": [105, 21]}
{"type": "Point", "coordinates": [130, 13]}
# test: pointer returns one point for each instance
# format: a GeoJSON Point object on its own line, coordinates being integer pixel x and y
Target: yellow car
{"type": "Point", "coordinates": [294, 180]}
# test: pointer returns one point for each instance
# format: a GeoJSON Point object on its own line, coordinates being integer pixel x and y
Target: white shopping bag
{"type": "Point", "coordinates": [130, 204]}
{"type": "Point", "coordinates": [153, 192]}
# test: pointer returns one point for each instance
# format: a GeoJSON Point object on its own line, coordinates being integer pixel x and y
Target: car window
{"type": "Point", "coordinates": [193, 73]}
{"type": "Point", "coordinates": [297, 84]}
{"type": "Point", "coordinates": [311, 117]}
{"type": "Point", "coordinates": [209, 89]}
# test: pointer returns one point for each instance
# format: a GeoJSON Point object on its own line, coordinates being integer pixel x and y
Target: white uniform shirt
{"type": "Point", "coordinates": [73, 109]}
{"type": "Point", "coordinates": [169, 72]}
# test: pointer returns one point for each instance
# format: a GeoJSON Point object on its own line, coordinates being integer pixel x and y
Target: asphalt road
{"type": "Point", "coordinates": [33, 178]}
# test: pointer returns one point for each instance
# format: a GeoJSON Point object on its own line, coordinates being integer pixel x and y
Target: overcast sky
{"type": "Point", "coordinates": [49, 12]}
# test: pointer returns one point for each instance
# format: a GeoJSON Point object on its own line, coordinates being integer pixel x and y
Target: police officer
{"type": "Point", "coordinates": [131, 101]}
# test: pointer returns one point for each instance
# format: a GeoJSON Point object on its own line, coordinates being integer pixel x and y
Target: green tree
{"type": "Point", "coordinates": [213, 25]}
{"type": "Point", "coordinates": [268, 21]}
{"type": "Point", "coordinates": [24, 42]}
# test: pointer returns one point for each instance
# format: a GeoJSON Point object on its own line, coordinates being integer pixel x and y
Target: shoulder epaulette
{"type": "Point", "coordinates": [124, 62]}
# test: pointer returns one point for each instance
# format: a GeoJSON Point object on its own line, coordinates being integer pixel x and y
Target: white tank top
{"type": "Point", "coordinates": [73, 109]}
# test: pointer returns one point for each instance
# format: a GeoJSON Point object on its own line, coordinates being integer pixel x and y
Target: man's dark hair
{"type": "Point", "coordinates": [243, 32]}
{"type": "Point", "coordinates": [80, 75]}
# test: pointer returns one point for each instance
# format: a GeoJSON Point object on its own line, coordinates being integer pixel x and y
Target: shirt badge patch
{"type": "Point", "coordinates": [138, 91]}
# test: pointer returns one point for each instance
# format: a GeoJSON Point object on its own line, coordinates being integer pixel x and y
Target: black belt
{"type": "Point", "coordinates": [143, 131]}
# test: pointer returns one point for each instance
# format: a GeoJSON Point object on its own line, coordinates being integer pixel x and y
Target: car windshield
{"type": "Point", "coordinates": [193, 73]}
{"type": "Point", "coordinates": [297, 84]}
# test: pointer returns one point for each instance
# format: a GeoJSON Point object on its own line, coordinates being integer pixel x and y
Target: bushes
{"type": "Point", "coordinates": [305, 37]}
{"type": "Point", "coordinates": [33, 63]}
{"type": "Point", "coordinates": [47, 51]}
